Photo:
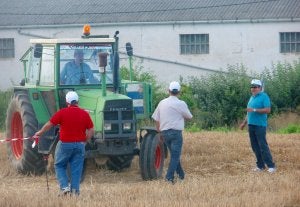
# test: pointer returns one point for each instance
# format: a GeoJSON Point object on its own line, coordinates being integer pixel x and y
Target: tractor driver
{"type": "Point", "coordinates": [77, 72]}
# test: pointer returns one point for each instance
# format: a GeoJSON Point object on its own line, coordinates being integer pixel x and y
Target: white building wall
{"type": "Point", "coordinates": [11, 69]}
{"type": "Point", "coordinates": [256, 45]}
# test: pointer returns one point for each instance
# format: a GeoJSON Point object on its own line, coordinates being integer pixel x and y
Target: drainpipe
{"type": "Point", "coordinates": [175, 63]}
{"type": "Point", "coordinates": [32, 35]}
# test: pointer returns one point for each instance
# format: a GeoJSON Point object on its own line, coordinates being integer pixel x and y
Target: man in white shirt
{"type": "Point", "coordinates": [169, 117]}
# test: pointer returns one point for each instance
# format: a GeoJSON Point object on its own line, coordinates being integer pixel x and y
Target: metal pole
{"type": "Point", "coordinates": [130, 68]}
{"type": "Point", "coordinates": [103, 81]}
{"type": "Point", "coordinates": [46, 162]}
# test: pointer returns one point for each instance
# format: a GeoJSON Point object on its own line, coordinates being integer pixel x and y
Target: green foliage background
{"type": "Point", "coordinates": [221, 97]}
{"type": "Point", "coordinates": [283, 86]}
{"type": "Point", "coordinates": [290, 129]}
{"type": "Point", "coordinates": [4, 101]}
{"type": "Point", "coordinates": [218, 100]}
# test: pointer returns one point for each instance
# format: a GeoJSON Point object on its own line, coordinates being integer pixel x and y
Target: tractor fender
{"type": "Point", "coordinates": [147, 129]}
{"type": "Point", "coordinates": [151, 130]}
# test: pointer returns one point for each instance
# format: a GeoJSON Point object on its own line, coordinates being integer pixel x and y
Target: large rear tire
{"type": "Point", "coordinates": [152, 155]}
{"type": "Point", "coordinates": [22, 123]}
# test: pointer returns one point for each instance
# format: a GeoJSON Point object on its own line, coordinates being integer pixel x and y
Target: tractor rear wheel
{"type": "Point", "coordinates": [22, 123]}
{"type": "Point", "coordinates": [118, 163]}
{"type": "Point", "coordinates": [152, 156]}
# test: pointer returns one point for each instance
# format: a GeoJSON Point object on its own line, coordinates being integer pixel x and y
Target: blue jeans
{"type": "Point", "coordinates": [69, 153]}
{"type": "Point", "coordinates": [173, 139]}
{"type": "Point", "coordinates": [260, 146]}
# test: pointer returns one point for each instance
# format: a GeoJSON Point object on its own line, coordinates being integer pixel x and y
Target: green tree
{"type": "Point", "coordinates": [4, 101]}
{"type": "Point", "coordinates": [282, 83]}
{"type": "Point", "coordinates": [221, 97]}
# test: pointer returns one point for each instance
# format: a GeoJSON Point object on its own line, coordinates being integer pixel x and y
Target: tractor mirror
{"type": "Point", "coordinates": [102, 61]}
{"type": "Point", "coordinates": [38, 49]}
{"type": "Point", "coordinates": [129, 49]}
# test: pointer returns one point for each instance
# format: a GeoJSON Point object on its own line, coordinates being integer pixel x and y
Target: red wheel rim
{"type": "Point", "coordinates": [16, 131]}
{"type": "Point", "coordinates": [158, 157]}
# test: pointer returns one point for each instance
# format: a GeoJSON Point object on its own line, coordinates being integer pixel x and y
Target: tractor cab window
{"type": "Point", "coordinates": [47, 67]}
{"type": "Point", "coordinates": [32, 68]}
{"type": "Point", "coordinates": [79, 64]}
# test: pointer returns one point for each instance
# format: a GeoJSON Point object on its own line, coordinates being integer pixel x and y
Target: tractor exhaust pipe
{"type": "Point", "coordinates": [102, 66]}
{"type": "Point", "coordinates": [116, 63]}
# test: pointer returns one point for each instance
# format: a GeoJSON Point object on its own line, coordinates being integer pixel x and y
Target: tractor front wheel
{"type": "Point", "coordinates": [152, 156]}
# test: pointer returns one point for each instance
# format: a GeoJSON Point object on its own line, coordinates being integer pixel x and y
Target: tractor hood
{"type": "Point", "coordinates": [97, 105]}
{"type": "Point", "coordinates": [92, 99]}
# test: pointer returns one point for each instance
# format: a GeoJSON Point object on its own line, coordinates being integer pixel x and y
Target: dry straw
{"type": "Point", "coordinates": [218, 167]}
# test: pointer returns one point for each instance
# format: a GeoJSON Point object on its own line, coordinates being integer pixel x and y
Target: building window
{"type": "Point", "coordinates": [194, 44]}
{"type": "Point", "coordinates": [7, 48]}
{"type": "Point", "coordinates": [289, 42]}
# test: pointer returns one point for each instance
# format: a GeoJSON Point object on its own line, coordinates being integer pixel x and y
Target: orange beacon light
{"type": "Point", "coordinates": [86, 30]}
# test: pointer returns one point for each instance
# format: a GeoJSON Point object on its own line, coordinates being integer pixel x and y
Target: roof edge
{"type": "Point", "coordinates": [156, 23]}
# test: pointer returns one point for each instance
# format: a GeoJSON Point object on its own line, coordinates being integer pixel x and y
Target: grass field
{"type": "Point", "coordinates": [218, 173]}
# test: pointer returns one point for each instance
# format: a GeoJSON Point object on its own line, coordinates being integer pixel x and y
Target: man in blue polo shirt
{"type": "Point", "coordinates": [77, 71]}
{"type": "Point", "coordinates": [257, 109]}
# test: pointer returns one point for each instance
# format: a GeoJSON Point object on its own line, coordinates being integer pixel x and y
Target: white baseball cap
{"type": "Point", "coordinates": [256, 82]}
{"type": "Point", "coordinates": [71, 96]}
{"type": "Point", "coordinates": [174, 85]}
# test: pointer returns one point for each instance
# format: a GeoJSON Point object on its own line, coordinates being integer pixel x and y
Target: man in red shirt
{"type": "Point", "coordinates": [76, 127]}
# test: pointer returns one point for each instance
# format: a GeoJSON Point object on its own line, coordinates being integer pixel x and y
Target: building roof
{"type": "Point", "coordinates": [13, 13]}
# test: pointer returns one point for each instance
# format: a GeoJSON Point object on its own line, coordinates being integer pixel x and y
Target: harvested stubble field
{"type": "Point", "coordinates": [218, 173]}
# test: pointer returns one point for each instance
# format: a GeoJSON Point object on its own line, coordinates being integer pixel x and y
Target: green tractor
{"type": "Point", "coordinates": [114, 105]}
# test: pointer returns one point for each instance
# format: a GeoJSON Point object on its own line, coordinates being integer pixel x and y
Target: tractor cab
{"type": "Point", "coordinates": [70, 62]}
{"type": "Point", "coordinates": [74, 64]}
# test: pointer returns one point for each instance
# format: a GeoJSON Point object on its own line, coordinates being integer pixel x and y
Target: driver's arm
{"type": "Point", "coordinates": [63, 75]}
{"type": "Point", "coordinates": [90, 73]}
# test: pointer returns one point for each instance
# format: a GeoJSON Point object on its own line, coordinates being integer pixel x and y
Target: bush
{"type": "Point", "coordinates": [282, 83]}
{"type": "Point", "coordinates": [290, 129]}
{"type": "Point", "coordinates": [193, 128]}
{"type": "Point", "coordinates": [5, 97]}
{"type": "Point", "coordinates": [221, 97]}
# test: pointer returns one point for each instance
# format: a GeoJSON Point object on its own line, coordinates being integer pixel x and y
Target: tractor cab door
{"type": "Point", "coordinates": [46, 81]}
{"type": "Point", "coordinates": [43, 94]}
{"type": "Point", "coordinates": [31, 67]}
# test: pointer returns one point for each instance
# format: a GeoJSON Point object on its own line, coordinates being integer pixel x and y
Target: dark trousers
{"type": "Point", "coordinates": [260, 146]}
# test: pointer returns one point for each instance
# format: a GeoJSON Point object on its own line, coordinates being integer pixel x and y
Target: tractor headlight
{"type": "Point", "coordinates": [107, 127]}
{"type": "Point", "coordinates": [127, 126]}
